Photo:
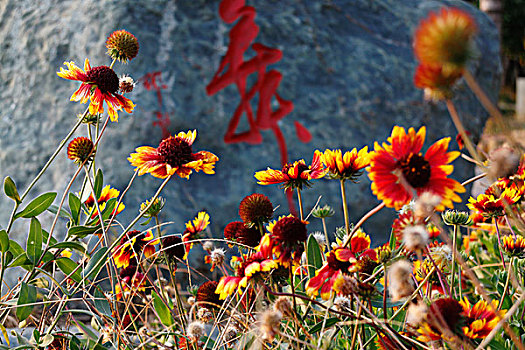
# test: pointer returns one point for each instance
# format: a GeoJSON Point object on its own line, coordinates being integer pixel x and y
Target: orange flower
{"type": "Point", "coordinates": [347, 165]}
{"type": "Point", "coordinates": [435, 81]}
{"type": "Point", "coordinates": [173, 156]}
{"type": "Point", "coordinates": [294, 175]}
{"type": "Point", "coordinates": [193, 228]}
{"type": "Point", "coordinates": [398, 169]}
{"type": "Point", "coordinates": [99, 84]}
{"type": "Point", "coordinates": [134, 245]}
{"type": "Point", "coordinates": [106, 194]}
{"type": "Point", "coordinates": [481, 318]}
{"type": "Point", "coordinates": [286, 239]}
{"type": "Point", "coordinates": [443, 39]}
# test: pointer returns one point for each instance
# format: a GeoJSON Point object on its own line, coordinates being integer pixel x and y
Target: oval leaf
{"type": "Point", "coordinates": [74, 206]}
{"type": "Point", "coordinates": [162, 310]}
{"type": "Point", "coordinates": [34, 240]}
{"type": "Point", "coordinates": [96, 263]}
{"type": "Point", "coordinates": [68, 266]}
{"type": "Point", "coordinates": [37, 206]}
{"type": "Point", "coordinates": [99, 182]}
{"type": "Point", "coordinates": [10, 190]}
{"type": "Point", "coordinates": [4, 241]}
{"type": "Point", "coordinates": [70, 245]}
{"type": "Point", "coordinates": [102, 304]}
{"type": "Point", "coordinates": [82, 231]}
{"type": "Point", "coordinates": [313, 254]}
{"type": "Point", "coordinates": [27, 296]}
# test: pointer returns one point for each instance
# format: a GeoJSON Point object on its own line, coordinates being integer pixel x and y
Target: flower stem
{"type": "Point", "coordinates": [459, 126]}
{"type": "Point", "coordinates": [454, 244]}
{"type": "Point", "coordinates": [325, 233]}
{"type": "Point", "coordinates": [499, 242]}
{"type": "Point", "coordinates": [345, 206]}
{"type": "Point", "coordinates": [362, 221]}
{"type": "Point", "coordinates": [300, 200]}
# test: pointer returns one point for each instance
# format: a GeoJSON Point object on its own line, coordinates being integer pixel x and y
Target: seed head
{"type": "Point", "coordinates": [126, 84]}
{"type": "Point", "coordinates": [400, 282]}
{"type": "Point", "coordinates": [415, 238]}
{"type": "Point", "coordinates": [122, 45]}
{"type": "Point", "coordinates": [195, 330]}
{"type": "Point", "coordinates": [217, 256]}
{"type": "Point", "coordinates": [80, 150]}
{"type": "Point", "coordinates": [204, 315]}
{"type": "Point", "coordinates": [342, 304]}
{"type": "Point", "coordinates": [425, 204]}
{"type": "Point", "coordinates": [320, 238]}
{"type": "Point", "coordinates": [230, 335]}
{"type": "Point", "coordinates": [269, 324]}
{"type": "Point", "coordinates": [283, 305]}
{"type": "Point", "coordinates": [255, 209]}
{"type": "Point", "coordinates": [207, 296]}
{"type": "Point", "coordinates": [207, 246]}
{"type": "Point", "coordinates": [416, 313]}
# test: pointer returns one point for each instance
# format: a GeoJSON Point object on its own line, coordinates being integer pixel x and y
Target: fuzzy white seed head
{"type": "Point", "coordinates": [269, 324]}
{"type": "Point", "coordinates": [416, 313]}
{"type": "Point", "coordinates": [415, 237]}
{"type": "Point", "coordinates": [400, 282]}
{"type": "Point", "coordinates": [217, 256]}
{"type": "Point", "coordinates": [425, 204]}
{"type": "Point", "coordinates": [195, 330]}
{"type": "Point", "coordinates": [207, 246]}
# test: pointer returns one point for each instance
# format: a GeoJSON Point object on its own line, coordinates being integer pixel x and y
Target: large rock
{"type": "Point", "coordinates": [347, 66]}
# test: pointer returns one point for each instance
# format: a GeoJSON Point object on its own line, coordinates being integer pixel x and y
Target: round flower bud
{"type": "Point", "coordinates": [255, 209]}
{"type": "Point", "coordinates": [122, 45]}
{"type": "Point", "coordinates": [207, 296]}
{"type": "Point", "coordinates": [323, 212]}
{"type": "Point", "coordinates": [154, 209]}
{"type": "Point", "coordinates": [80, 150]}
{"type": "Point", "coordinates": [455, 217]}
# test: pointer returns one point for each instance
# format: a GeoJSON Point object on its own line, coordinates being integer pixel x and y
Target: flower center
{"type": "Point", "coordinates": [337, 265]}
{"type": "Point", "coordinates": [290, 230]}
{"type": "Point", "coordinates": [416, 169]}
{"type": "Point", "coordinates": [175, 151]}
{"type": "Point", "coordinates": [105, 78]}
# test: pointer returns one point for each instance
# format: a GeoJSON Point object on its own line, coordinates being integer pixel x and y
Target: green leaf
{"type": "Point", "coordinates": [96, 263]}
{"type": "Point", "coordinates": [99, 182]}
{"type": "Point", "coordinates": [86, 330]}
{"type": "Point", "coordinates": [22, 260]}
{"type": "Point", "coordinates": [4, 333]}
{"type": "Point", "coordinates": [313, 254]}
{"type": "Point", "coordinates": [63, 213]}
{"type": "Point", "coordinates": [40, 282]}
{"type": "Point", "coordinates": [329, 323]}
{"type": "Point", "coordinates": [34, 240]}
{"type": "Point", "coordinates": [82, 231]}
{"type": "Point", "coordinates": [10, 190]}
{"type": "Point", "coordinates": [37, 206]}
{"type": "Point", "coordinates": [8, 258]}
{"type": "Point", "coordinates": [70, 245]}
{"type": "Point", "coordinates": [27, 296]}
{"type": "Point", "coordinates": [392, 242]}
{"type": "Point", "coordinates": [15, 248]}
{"type": "Point", "coordinates": [162, 310]}
{"type": "Point", "coordinates": [68, 266]}
{"type": "Point", "coordinates": [4, 241]}
{"type": "Point", "coordinates": [74, 206]}
{"type": "Point", "coordinates": [101, 303]}
{"type": "Point", "coordinates": [108, 209]}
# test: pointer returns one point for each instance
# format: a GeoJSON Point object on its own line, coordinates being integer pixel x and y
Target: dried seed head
{"type": "Point", "coordinates": [400, 282]}
{"type": "Point", "coordinates": [283, 305]}
{"type": "Point", "coordinates": [195, 330]}
{"type": "Point", "coordinates": [204, 315]}
{"type": "Point", "coordinates": [269, 324]}
{"type": "Point", "coordinates": [217, 256]}
{"type": "Point", "coordinates": [207, 246]}
{"type": "Point", "coordinates": [346, 285]}
{"type": "Point", "coordinates": [122, 45]}
{"type": "Point", "coordinates": [126, 84]}
{"type": "Point", "coordinates": [416, 313]}
{"type": "Point", "coordinates": [503, 162]}
{"type": "Point", "coordinates": [415, 238]}
{"type": "Point", "coordinates": [425, 204]}
{"type": "Point", "coordinates": [342, 304]}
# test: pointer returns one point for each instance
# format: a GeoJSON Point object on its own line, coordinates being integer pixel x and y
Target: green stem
{"type": "Point", "coordinates": [345, 207]}
{"type": "Point", "coordinates": [454, 244]}
{"type": "Point", "coordinates": [300, 200]}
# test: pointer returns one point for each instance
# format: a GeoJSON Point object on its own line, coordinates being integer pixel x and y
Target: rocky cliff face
{"type": "Point", "coordinates": [347, 66]}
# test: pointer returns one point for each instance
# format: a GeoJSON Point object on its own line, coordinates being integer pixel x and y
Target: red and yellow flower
{"type": "Point", "coordinates": [481, 318]}
{"type": "Point", "coordinates": [347, 165]}
{"type": "Point", "coordinates": [193, 228]}
{"type": "Point", "coordinates": [492, 205]}
{"type": "Point", "coordinates": [295, 175]}
{"type": "Point", "coordinates": [398, 169]}
{"type": "Point", "coordinates": [106, 194]}
{"type": "Point", "coordinates": [285, 239]}
{"type": "Point", "coordinates": [99, 84]}
{"type": "Point", "coordinates": [340, 261]}
{"type": "Point", "coordinates": [443, 39]}
{"type": "Point", "coordinates": [174, 155]}
{"type": "Point", "coordinates": [131, 280]}
{"type": "Point", "coordinates": [513, 246]}
{"type": "Point", "coordinates": [254, 266]}
{"type": "Point", "coordinates": [133, 246]}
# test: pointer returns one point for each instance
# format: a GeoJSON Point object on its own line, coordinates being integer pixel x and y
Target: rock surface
{"type": "Point", "coordinates": [347, 66]}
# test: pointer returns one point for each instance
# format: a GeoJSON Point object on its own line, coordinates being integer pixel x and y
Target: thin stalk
{"type": "Point", "coordinates": [53, 156]}
{"type": "Point", "coordinates": [454, 244]}
{"type": "Point", "coordinates": [384, 293]}
{"type": "Point", "coordinates": [345, 206]}
{"type": "Point", "coordinates": [459, 126]}
{"type": "Point", "coordinates": [354, 335]}
{"type": "Point", "coordinates": [323, 220]}
{"type": "Point", "coordinates": [362, 221]}
{"type": "Point", "coordinates": [506, 285]}
{"type": "Point", "coordinates": [499, 242]}
{"type": "Point", "coordinates": [300, 200]}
